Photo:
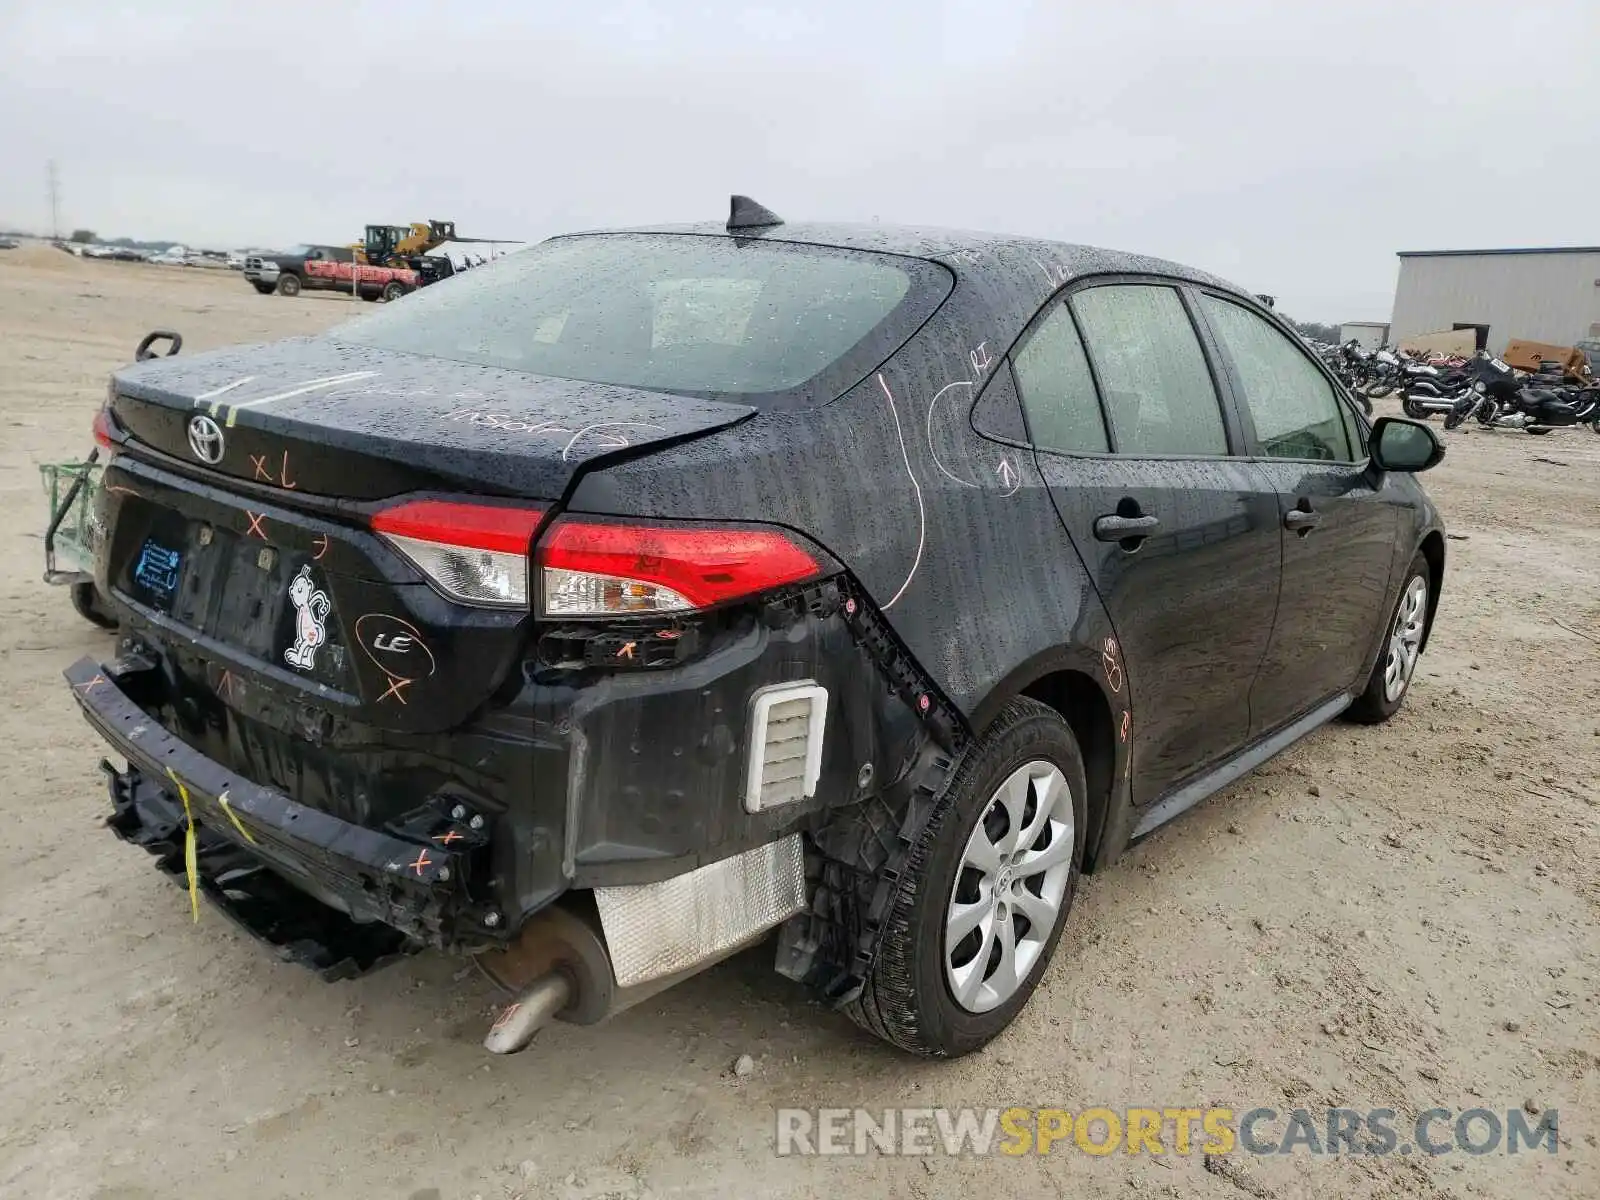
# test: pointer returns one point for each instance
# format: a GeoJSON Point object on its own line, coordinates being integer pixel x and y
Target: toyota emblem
{"type": "Point", "coordinates": [205, 439]}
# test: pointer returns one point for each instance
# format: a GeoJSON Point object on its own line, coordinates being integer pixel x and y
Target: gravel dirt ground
{"type": "Point", "coordinates": [1399, 917]}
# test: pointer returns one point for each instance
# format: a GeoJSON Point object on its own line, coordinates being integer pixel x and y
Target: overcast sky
{"type": "Point", "coordinates": [1291, 147]}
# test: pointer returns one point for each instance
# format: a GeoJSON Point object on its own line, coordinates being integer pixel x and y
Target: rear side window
{"type": "Point", "coordinates": [1058, 390]}
{"type": "Point", "coordinates": [1153, 376]}
{"type": "Point", "coordinates": [1293, 406]}
{"type": "Point", "coordinates": [706, 316]}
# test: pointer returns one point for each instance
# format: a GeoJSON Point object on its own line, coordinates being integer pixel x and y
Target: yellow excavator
{"type": "Point", "coordinates": [395, 245]}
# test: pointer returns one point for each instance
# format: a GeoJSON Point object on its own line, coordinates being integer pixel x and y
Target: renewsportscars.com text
{"type": "Point", "coordinates": [919, 1132]}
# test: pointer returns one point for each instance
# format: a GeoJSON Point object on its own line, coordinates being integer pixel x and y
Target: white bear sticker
{"type": "Point", "coordinates": [311, 606]}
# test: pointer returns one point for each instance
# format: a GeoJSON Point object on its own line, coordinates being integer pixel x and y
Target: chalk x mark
{"type": "Point", "coordinates": [922, 512]}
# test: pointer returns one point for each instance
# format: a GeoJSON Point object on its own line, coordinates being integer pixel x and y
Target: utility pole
{"type": "Point", "coordinates": [55, 200]}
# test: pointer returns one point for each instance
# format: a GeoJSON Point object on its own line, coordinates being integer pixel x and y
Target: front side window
{"type": "Point", "coordinates": [1057, 389]}
{"type": "Point", "coordinates": [1153, 376]}
{"type": "Point", "coordinates": [707, 316]}
{"type": "Point", "coordinates": [1293, 406]}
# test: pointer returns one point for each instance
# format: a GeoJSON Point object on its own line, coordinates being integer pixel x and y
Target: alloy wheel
{"type": "Point", "coordinates": [1405, 639]}
{"type": "Point", "coordinates": [1010, 887]}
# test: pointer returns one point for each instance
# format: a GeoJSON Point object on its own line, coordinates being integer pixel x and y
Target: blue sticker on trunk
{"type": "Point", "coordinates": [157, 569]}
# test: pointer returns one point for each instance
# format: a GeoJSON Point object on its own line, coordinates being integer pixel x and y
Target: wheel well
{"type": "Point", "coordinates": [1081, 703]}
{"type": "Point", "coordinates": [1432, 549]}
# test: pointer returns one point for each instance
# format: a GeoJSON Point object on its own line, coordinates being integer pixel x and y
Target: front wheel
{"type": "Point", "coordinates": [1397, 662]}
{"type": "Point", "coordinates": [1377, 391]}
{"type": "Point", "coordinates": [392, 291]}
{"type": "Point", "coordinates": [984, 892]}
{"type": "Point", "coordinates": [288, 285]}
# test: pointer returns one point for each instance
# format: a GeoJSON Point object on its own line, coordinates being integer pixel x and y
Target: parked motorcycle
{"type": "Point", "coordinates": [1383, 374]}
{"type": "Point", "coordinates": [1352, 364]}
{"type": "Point", "coordinates": [1499, 398]}
{"type": "Point", "coordinates": [1426, 390]}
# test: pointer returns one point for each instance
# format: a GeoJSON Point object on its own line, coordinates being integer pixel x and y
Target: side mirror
{"type": "Point", "coordinates": [1401, 445]}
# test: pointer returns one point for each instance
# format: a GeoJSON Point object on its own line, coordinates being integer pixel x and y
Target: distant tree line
{"type": "Point", "coordinates": [1317, 331]}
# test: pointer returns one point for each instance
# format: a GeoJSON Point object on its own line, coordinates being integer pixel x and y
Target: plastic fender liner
{"type": "Point", "coordinates": [855, 857]}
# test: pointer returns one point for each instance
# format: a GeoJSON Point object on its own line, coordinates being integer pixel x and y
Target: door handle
{"type": "Point", "coordinates": [1301, 520]}
{"type": "Point", "coordinates": [1114, 528]}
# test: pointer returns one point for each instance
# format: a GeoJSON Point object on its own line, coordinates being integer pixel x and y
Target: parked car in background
{"type": "Point", "coordinates": [642, 592]}
{"type": "Point", "coordinates": [7, 243]}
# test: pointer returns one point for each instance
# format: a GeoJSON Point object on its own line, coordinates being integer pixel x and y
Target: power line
{"type": "Point", "coordinates": [55, 199]}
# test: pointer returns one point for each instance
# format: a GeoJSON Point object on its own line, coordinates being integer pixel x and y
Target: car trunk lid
{"type": "Point", "coordinates": [239, 517]}
{"type": "Point", "coordinates": [315, 416]}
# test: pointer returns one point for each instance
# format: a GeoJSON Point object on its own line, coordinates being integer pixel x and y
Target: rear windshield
{"type": "Point", "coordinates": [700, 315]}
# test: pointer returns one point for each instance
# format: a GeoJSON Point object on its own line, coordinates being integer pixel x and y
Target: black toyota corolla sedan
{"type": "Point", "coordinates": [605, 609]}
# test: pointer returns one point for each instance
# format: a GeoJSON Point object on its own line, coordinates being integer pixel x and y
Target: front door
{"type": "Point", "coordinates": [1338, 531]}
{"type": "Point", "coordinates": [1180, 537]}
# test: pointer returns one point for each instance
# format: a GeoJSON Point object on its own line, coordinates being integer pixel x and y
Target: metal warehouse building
{"type": "Point", "coordinates": [1547, 295]}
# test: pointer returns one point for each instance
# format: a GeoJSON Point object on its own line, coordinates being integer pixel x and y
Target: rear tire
{"type": "Point", "coordinates": [86, 599]}
{"type": "Point", "coordinates": [1413, 408]}
{"type": "Point", "coordinates": [1396, 667]}
{"type": "Point", "coordinates": [393, 291]}
{"type": "Point", "coordinates": [1377, 391]}
{"type": "Point", "coordinates": [909, 997]}
{"type": "Point", "coordinates": [288, 285]}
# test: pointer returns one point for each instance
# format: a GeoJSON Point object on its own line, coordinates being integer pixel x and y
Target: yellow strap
{"type": "Point", "coordinates": [234, 817]}
{"type": "Point", "coordinates": [189, 863]}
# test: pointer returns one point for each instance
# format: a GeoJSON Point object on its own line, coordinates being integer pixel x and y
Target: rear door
{"type": "Point", "coordinates": [1338, 529]}
{"type": "Point", "coordinates": [1178, 534]}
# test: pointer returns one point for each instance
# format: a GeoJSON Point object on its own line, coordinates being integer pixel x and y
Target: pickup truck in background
{"type": "Point", "coordinates": [326, 268]}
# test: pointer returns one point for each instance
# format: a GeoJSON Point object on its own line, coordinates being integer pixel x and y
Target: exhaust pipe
{"type": "Point", "coordinates": [558, 968]}
{"type": "Point", "coordinates": [530, 1012]}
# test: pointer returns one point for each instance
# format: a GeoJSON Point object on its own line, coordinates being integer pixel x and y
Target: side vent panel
{"type": "Point", "coordinates": [786, 729]}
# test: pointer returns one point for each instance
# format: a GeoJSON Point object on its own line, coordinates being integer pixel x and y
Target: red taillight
{"type": "Point", "coordinates": [603, 569]}
{"type": "Point", "coordinates": [105, 433]}
{"type": "Point", "coordinates": [477, 553]}
{"type": "Point", "coordinates": [505, 530]}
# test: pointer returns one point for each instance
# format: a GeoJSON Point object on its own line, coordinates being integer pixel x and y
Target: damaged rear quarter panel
{"type": "Point", "coordinates": [951, 534]}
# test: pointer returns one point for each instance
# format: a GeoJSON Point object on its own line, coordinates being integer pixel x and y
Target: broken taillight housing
{"type": "Point", "coordinates": [592, 568]}
{"type": "Point", "coordinates": [475, 553]}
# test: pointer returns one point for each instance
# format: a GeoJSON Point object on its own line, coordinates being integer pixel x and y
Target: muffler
{"type": "Point", "coordinates": [559, 969]}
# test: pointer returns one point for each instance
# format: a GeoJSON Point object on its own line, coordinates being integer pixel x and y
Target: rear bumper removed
{"type": "Point", "coordinates": [285, 872]}
{"type": "Point", "coordinates": [344, 899]}
{"type": "Point", "coordinates": [619, 831]}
